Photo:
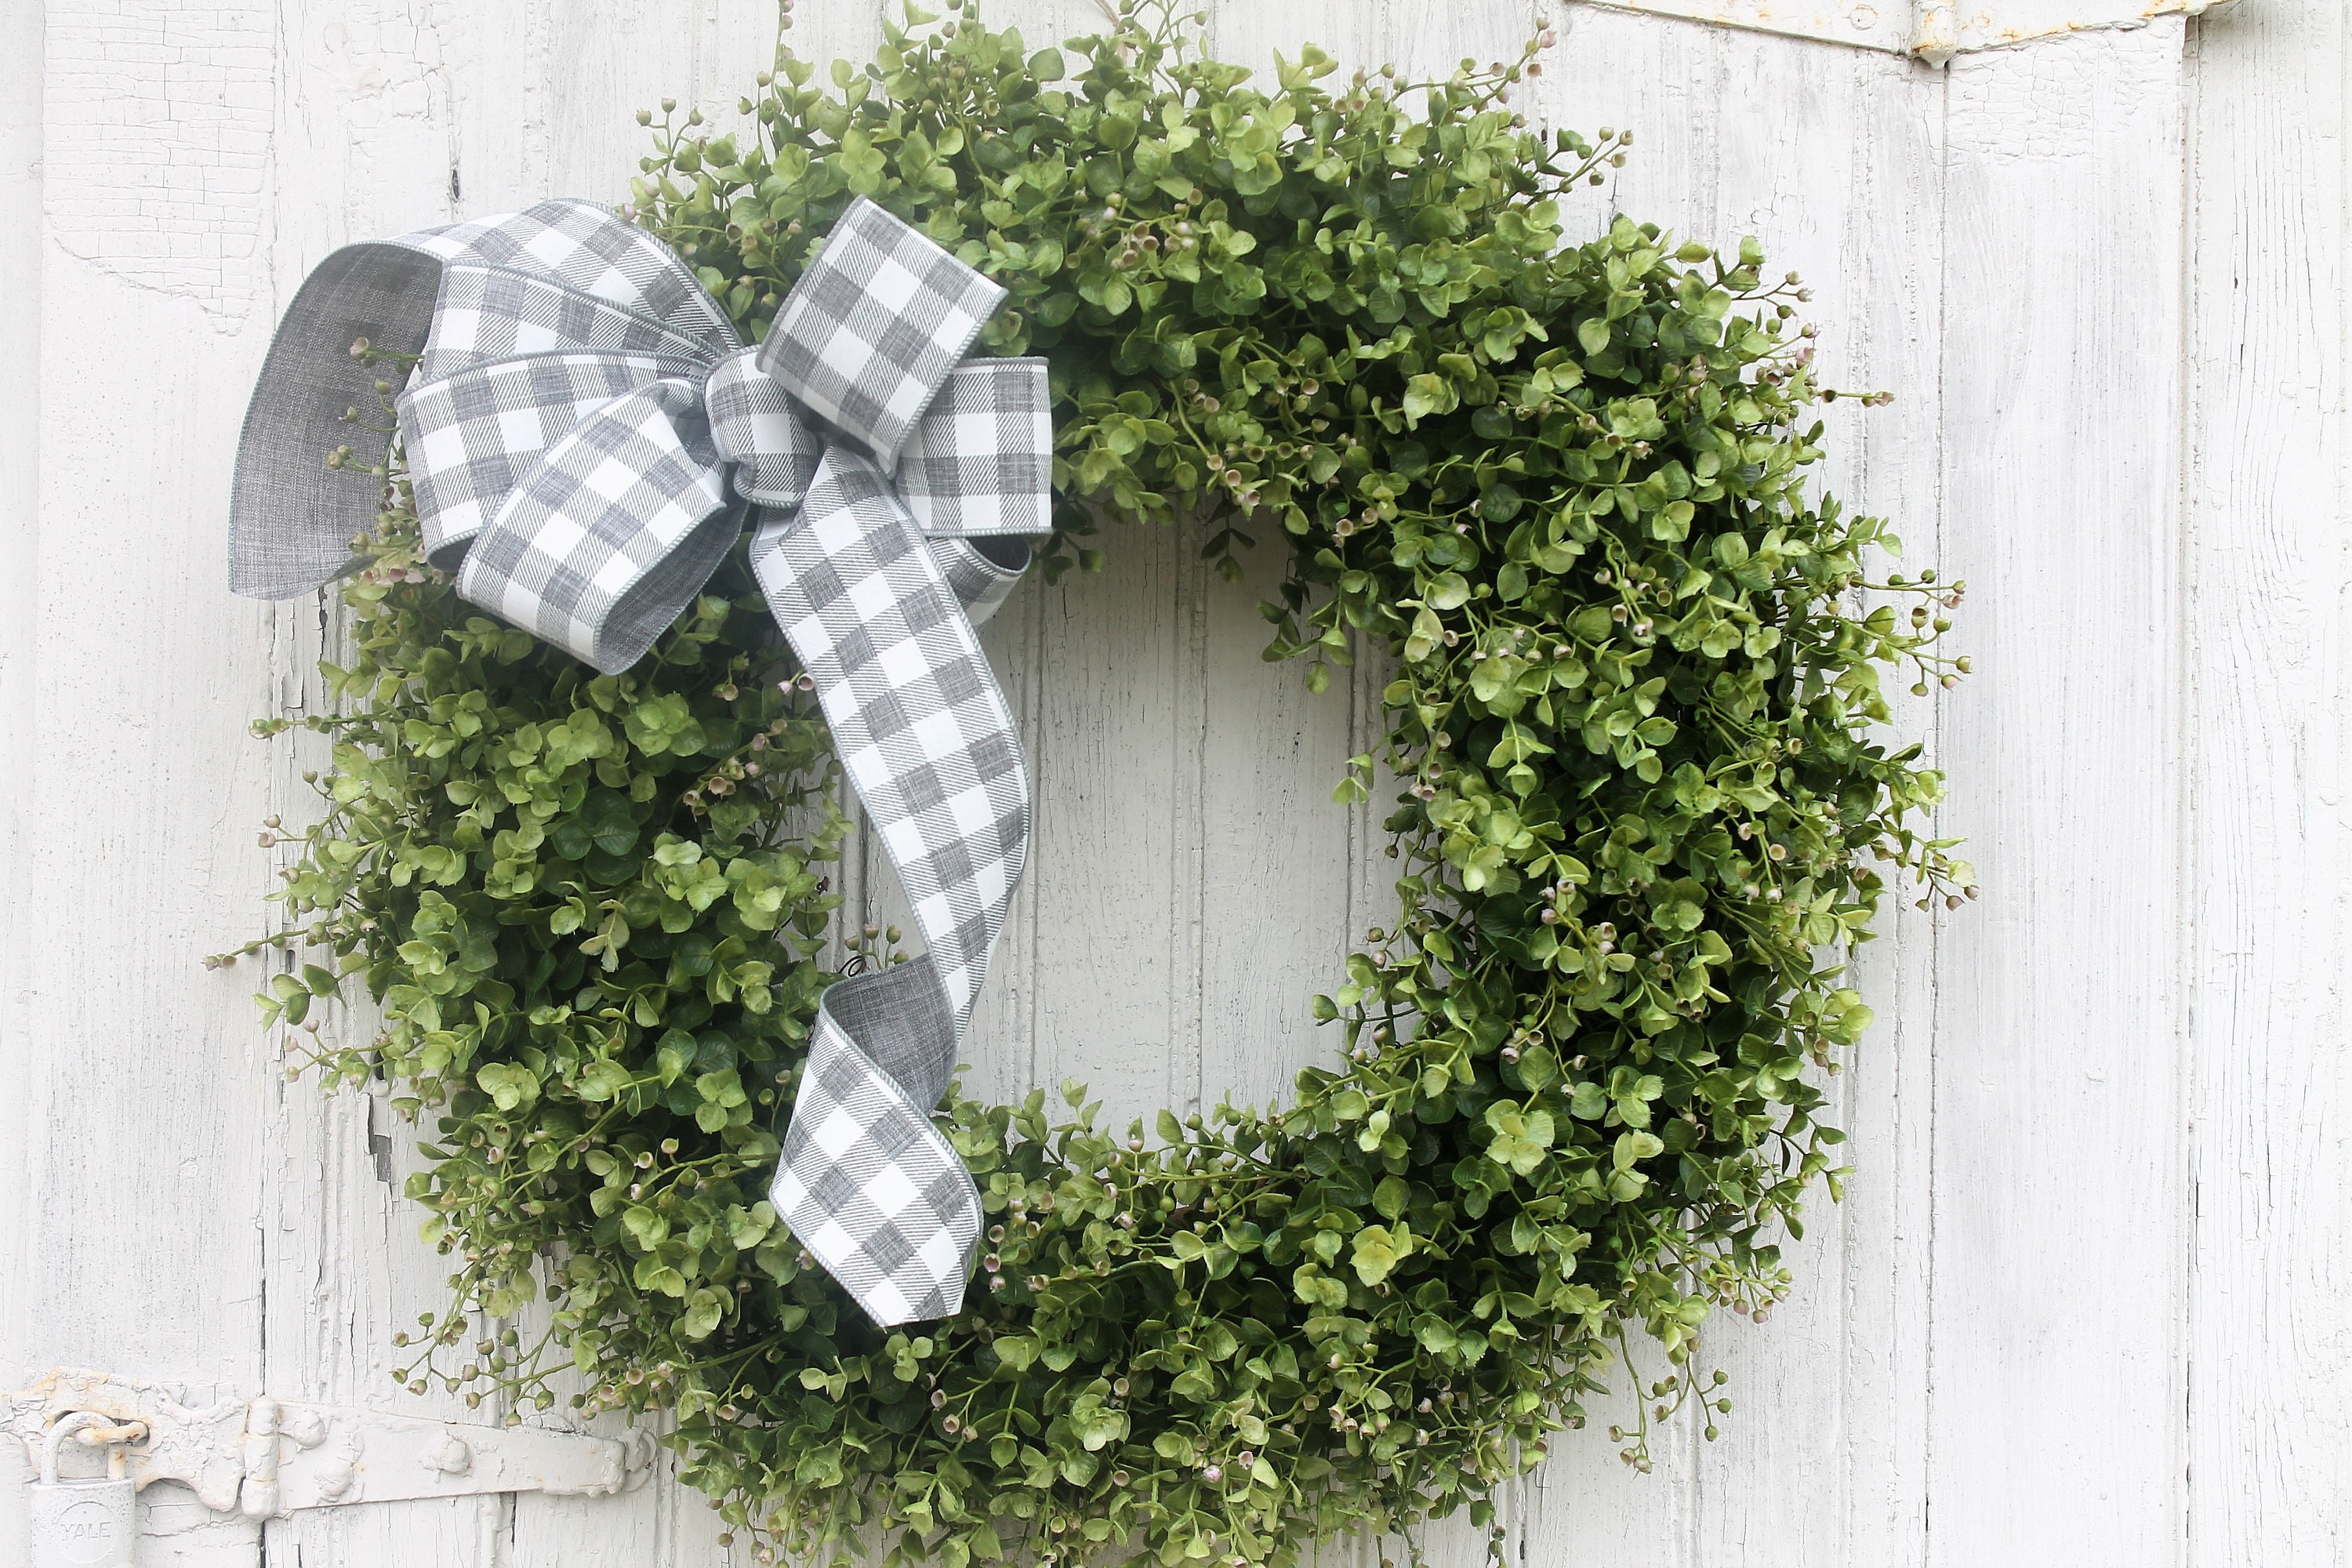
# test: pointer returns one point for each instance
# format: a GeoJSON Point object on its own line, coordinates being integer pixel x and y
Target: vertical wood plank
{"type": "Point", "coordinates": [1788, 168]}
{"type": "Point", "coordinates": [1271, 927]}
{"type": "Point", "coordinates": [1833, 167]}
{"type": "Point", "coordinates": [2270, 484]}
{"type": "Point", "coordinates": [20, 405]}
{"type": "Point", "coordinates": [1892, 316]}
{"type": "Point", "coordinates": [420, 123]}
{"type": "Point", "coordinates": [2057, 1375]}
{"type": "Point", "coordinates": [1109, 855]}
{"type": "Point", "coordinates": [1286, 745]}
{"type": "Point", "coordinates": [145, 1084]}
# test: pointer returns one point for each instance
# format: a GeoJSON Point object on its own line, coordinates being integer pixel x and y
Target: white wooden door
{"type": "Point", "coordinates": [2087, 1302]}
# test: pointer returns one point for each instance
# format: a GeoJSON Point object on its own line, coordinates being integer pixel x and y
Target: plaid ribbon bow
{"type": "Point", "coordinates": [584, 430]}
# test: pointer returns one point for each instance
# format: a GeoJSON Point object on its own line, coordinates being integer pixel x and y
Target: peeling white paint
{"type": "Point", "coordinates": [159, 130]}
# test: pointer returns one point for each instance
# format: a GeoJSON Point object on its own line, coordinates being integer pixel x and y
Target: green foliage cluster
{"type": "Point", "coordinates": [1559, 488]}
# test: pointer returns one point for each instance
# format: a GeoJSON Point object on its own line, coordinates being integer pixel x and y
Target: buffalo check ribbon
{"type": "Point", "coordinates": [587, 435]}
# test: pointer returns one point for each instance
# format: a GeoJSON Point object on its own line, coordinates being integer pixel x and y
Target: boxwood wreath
{"type": "Point", "coordinates": [1559, 489]}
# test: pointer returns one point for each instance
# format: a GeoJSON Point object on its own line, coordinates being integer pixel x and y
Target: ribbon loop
{"type": "Point", "coordinates": [874, 327]}
{"type": "Point", "coordinates": [485, 316]}
{"type": "Point", "coordinates": [292, 520]}
{"type": "Point", "coordinates": [612, 533]}
{"type": "Point", "coordinates": [585, 432]}
{"type": "Point", "coordinates": [472, 438]}
{"type": "Point", "coordinates": [582, 248]}
{"type": "Point", "coordinates": [983, 573]}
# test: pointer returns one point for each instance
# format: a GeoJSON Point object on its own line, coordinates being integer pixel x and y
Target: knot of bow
{"type": "Point", "coordinates": [587, 435]}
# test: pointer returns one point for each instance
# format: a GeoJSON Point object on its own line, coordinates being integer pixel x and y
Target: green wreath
{"type": "Point", "coordinates": [1558, 489]}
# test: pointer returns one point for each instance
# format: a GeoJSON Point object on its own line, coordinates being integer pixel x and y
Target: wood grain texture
{"type": "Point", "coordinates": [1890, 336]}
{"type": "Point", "coordinates": [2264, 567]}
{"type": "Point", "coordinates": [2086, 1303]}
{"type": "Point", "coordinates": [2059, 1199]}
{"type": "Point", "coordinates": [142, 1086]}
{"type": "Point", "coordinates": [20, 405]}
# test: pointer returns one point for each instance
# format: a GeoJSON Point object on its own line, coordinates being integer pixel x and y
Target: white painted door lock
{"type": "Point", "coordinates": [85, 1523]}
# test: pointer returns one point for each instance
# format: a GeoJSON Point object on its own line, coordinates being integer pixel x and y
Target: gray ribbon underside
{"type": "Point", "coordinates": [586, 435]}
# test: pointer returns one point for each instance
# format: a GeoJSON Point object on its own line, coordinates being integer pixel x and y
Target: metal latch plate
{"type": "Point", "coordinates": [266, 1457]}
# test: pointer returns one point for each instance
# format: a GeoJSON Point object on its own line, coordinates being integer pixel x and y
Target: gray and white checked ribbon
{"type": "Point", "coordinates": [585, 431]}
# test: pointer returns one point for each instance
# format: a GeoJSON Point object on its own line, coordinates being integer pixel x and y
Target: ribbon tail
{"type": "Point", "coordinates": [928, 741]}
{"type": "Point", "coordinates": [866, 1181]}
{"type": "Point", "coordinates": [291, 518]}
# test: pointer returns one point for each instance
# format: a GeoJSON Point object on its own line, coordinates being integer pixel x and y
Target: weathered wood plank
{"type": "Point", "coordinates": [1273, 926]}
{"type": "Point", "coordinates": [2056, 1429]}
{"type": "Point", "coordinates": [1833, 170]}
{"type": "Point", "coordinates": [1106, 969]}
{"type": "Point", "coordinates": [2270, 1348]}
{"type": "Point", "coordinates": [1318, 919]}
{"type": "Point", "coordinates": [145, 1088]}
{"type": "Point", "coordinates": [1892, 317]}
{"type": "Point", "coordinates": [368, 131]}
{"type": "Point", "coordinates": [20, 404]}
